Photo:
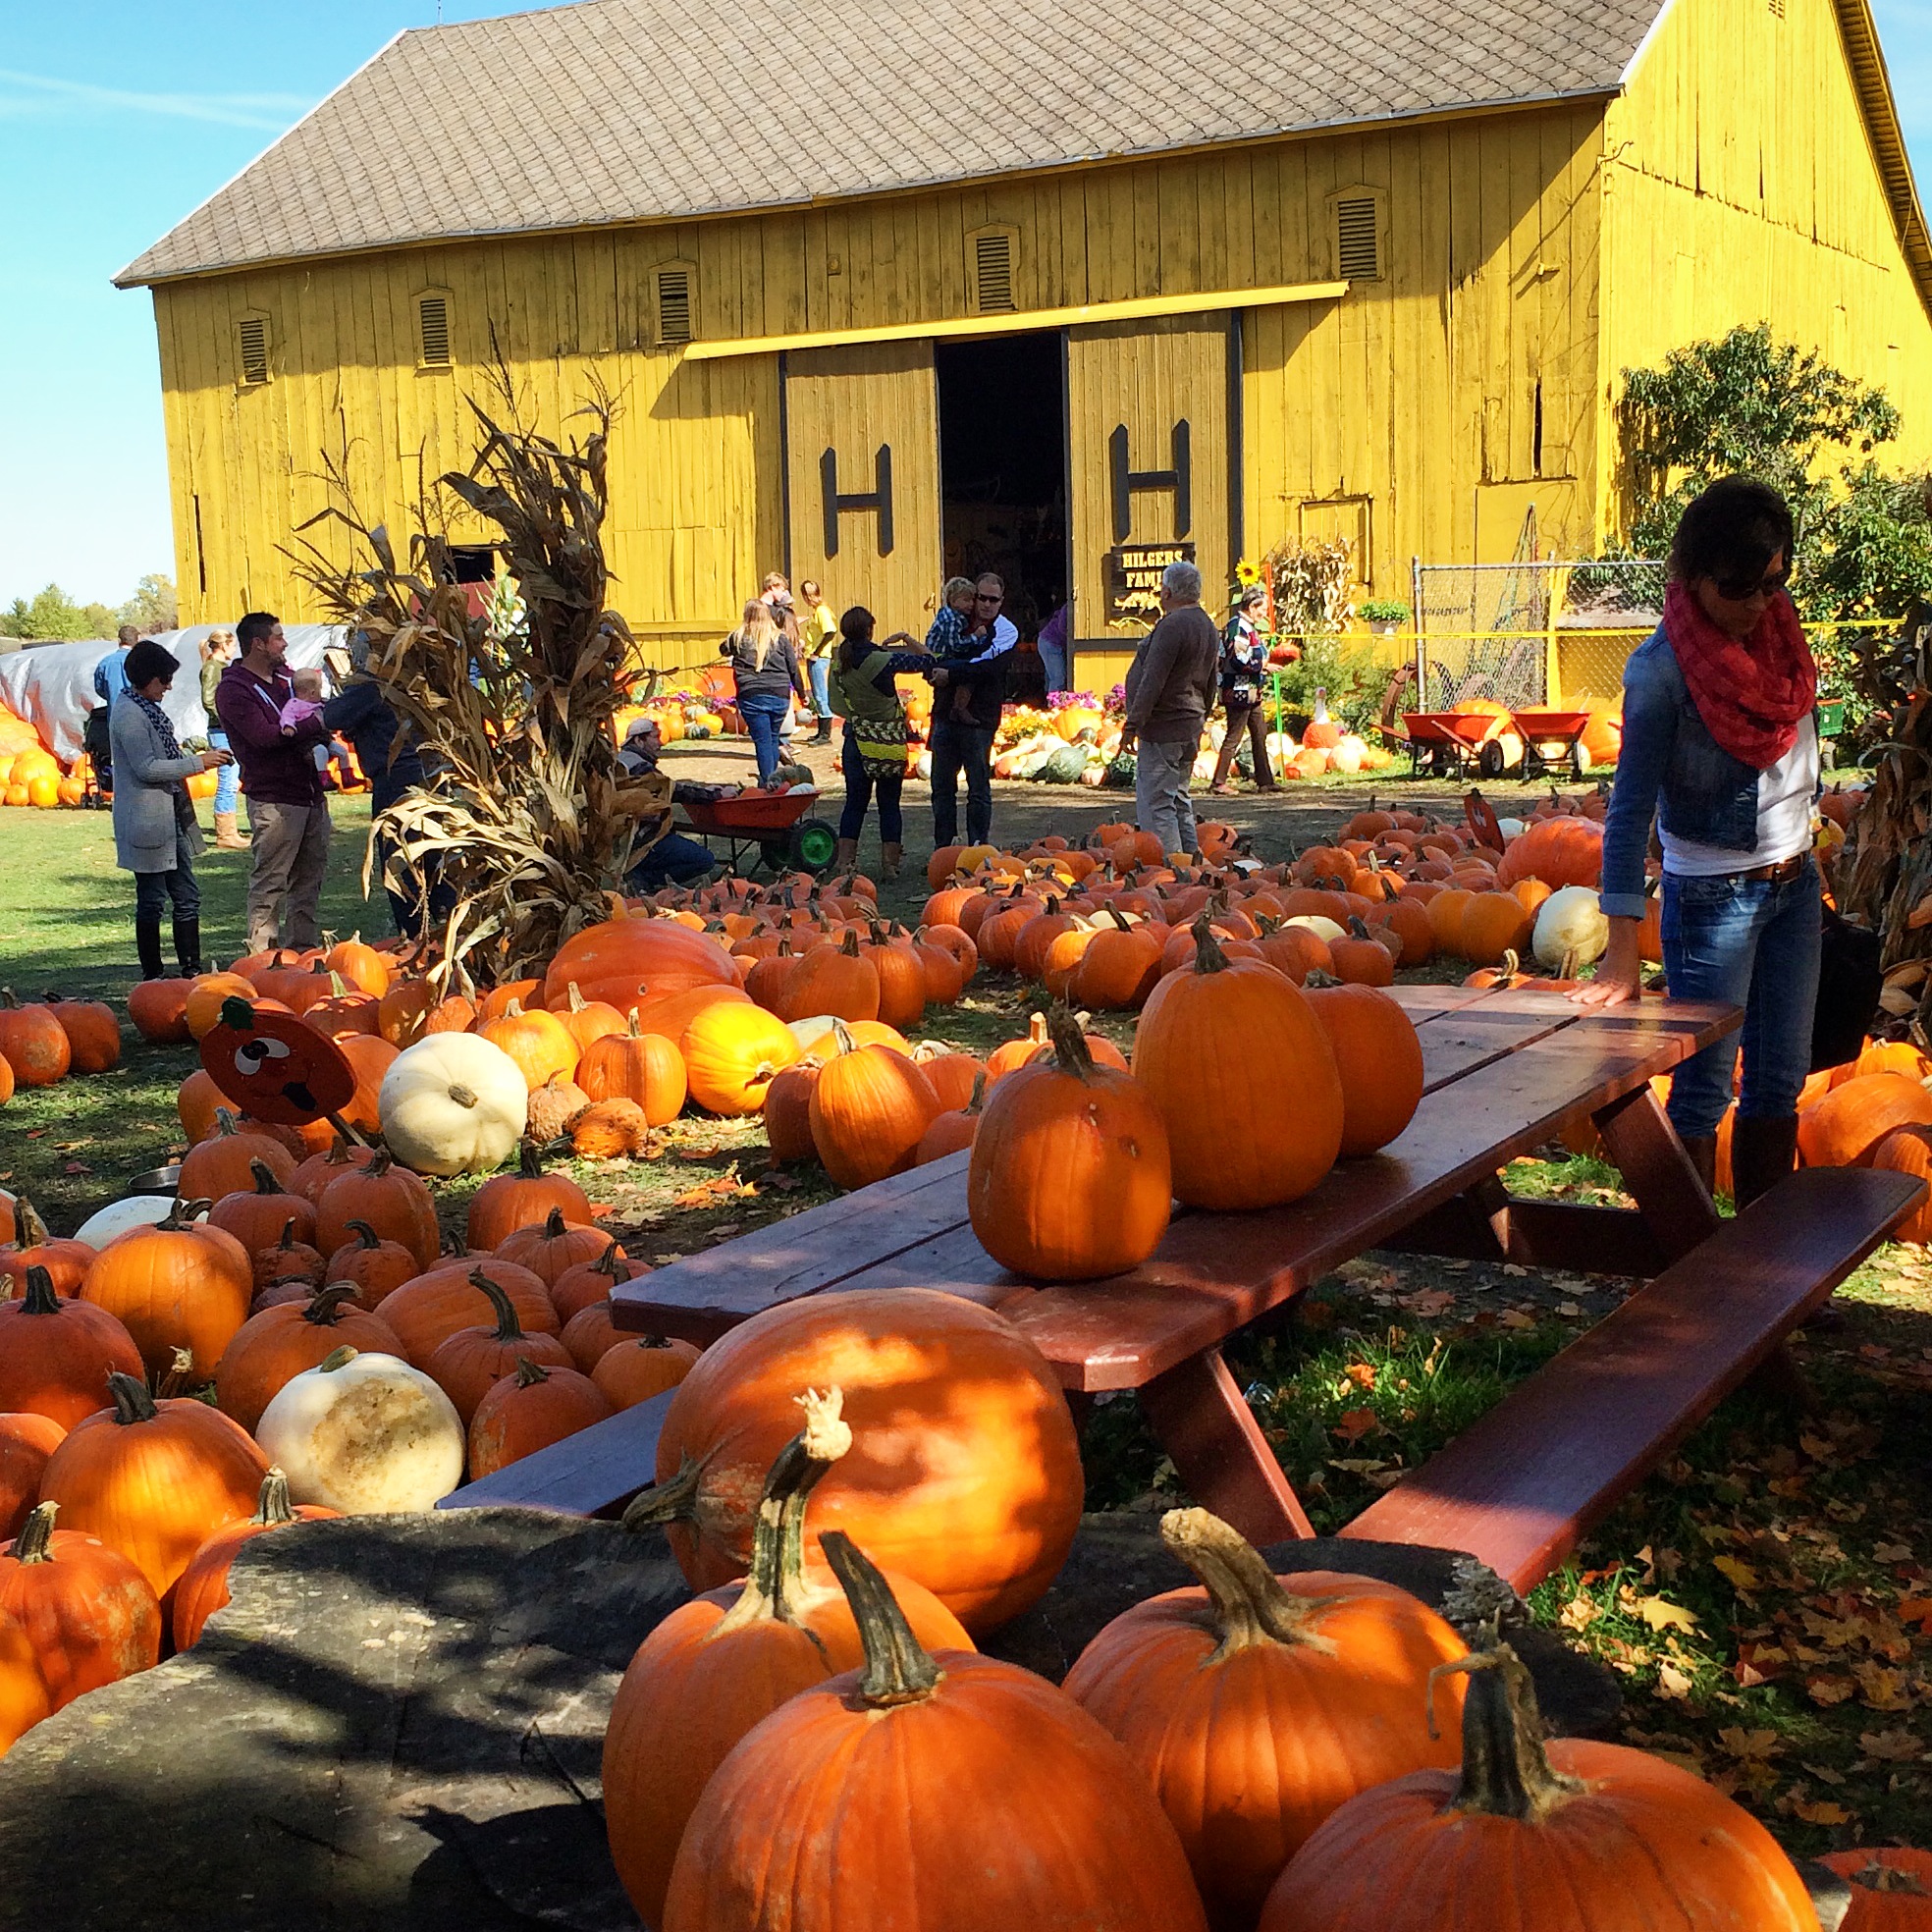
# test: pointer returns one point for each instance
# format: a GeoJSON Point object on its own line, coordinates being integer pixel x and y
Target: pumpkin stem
{"type": "Point", "coordinates": [673, 1500]}
{"type": "Point", "coordinates": [184, 1213]}
{"type": "Point", "coordinates": [1208, 954]}
{"type": "Point", "coordinates": [31, 1229]}
{"type": "Point", "coordinates": [978, 1098]}
{"type": "Point", "coordinates": [1070, 1048]}
{"type": "Point", "coordinates": [777, 1537]}
{"type": "Point", "coordinates": [238, 1014]}
{"type": "Point", "coordinates": [225, 1121]}
{"type": "Point", "coordinates": [263, 1176]}
{"type": "Point", "coordinates": [576, 997]}
{"type": "Point", "coordinates": [34, 1542]}
{"type": "Point", "coordinates": [1875, 1877]}
{"type": "Point", "coordinates": [610, 1263]}
{"type": "Point", "coordinates": [385, 1161]}
{"type": "Point", "coordinates": [365, 1234]}
{"type": "Point", "coordinates": [1249, 1606]}
{"type": "Point", "coordinates": [897, 1669]}
{"type": "Point", "coordinates": [466, 1097]}
{"type": "Point", "coordinates": [272, 1507]}
{"type": "Point", "coordinates": [529, 1166]}
{"type": "Point", "coordinates": [131, 1401]}
{"type": "Point", "coordinates": [1506, 1772]}
{"type": "Point", "coordinates": [288, 1233]}
{"type": "Point", "coordinates": [337, 1358]}
{"type": "Point", "coordinates": [41, 1298]}
{"type": "Point", "coordinates": [843, 1034]}
{"type": "Point", "coordinates": [528, 1374]}
{"type": "Point", "coordinates": [849, 945]}
{"type": "Point", "coordinates": [508, 1329]}
{"type": "Point", "coordinates": [325, 1306]}
{"type": "Point", "coordinates": [555, 1226]}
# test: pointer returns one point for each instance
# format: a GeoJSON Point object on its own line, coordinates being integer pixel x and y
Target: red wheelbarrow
{"type": "Point", "coordinates": [773, 824]}
{"type": "Point", "coordinates": [1552, 739]}
{"type": "Point", "coordinates": [1454, 740]}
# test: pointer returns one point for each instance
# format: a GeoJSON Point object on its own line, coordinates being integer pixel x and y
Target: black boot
{"type": "Point", "coordinates": [148, 943]}
{"type": "Point", "coordinates": [187, 945]}
{"type": "Point", "coordinates": [1702, 1150]}
{"type": "Point", "coordinates": [1762, 1153]}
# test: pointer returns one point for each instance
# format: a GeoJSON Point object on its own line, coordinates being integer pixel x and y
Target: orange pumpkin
{"type": "Point", "coordinates": [32, 1043]}
{"type": "Point", "coordinates": [955, 1130]}
{"type": "Point", "coordinates": [314, 1171]}
{"type": "Point", "coordinates": [1891, 1887]}
{"type": "Point", "coordinates": [55, 1355]}
{"type": "Point", "coordinates": [588, 1020]}
{"type": "Point", "coordinates": [1363, 957]}
{"type": "Point", "coordinates": [391, 1200]}
{"type": "Point", "coordinates": [1255, 1705]}
{"type": "Point", "coordinates": [93, 1034]}
{"type": "Point", "coordinates": [26, 1442]}
{"type": "Point", "coordinates": [155, 1479]}
{"type": "Point", "coordinates": [977, 1500]}
{"type": "Point", "coordinates": [204, 1585]}
{"type": "Point", "coordinates": [468, 1364]}
{"type": "Point", "coordinates": [1845, 1127]}
{"type": "Point", "coordinates": [869, 1108]}
{"type": "Point", "coordinates": [539, 1042]}
{"type": "Point", "coordinates": [584, 1283]}
{"type": "Point", "coordinates": [639, 1066]}
{"type": "Point", "coordinates": [427, 1312]}
{"type": "Point", "coordinates": [1235, 1041]}
{"type": "Point", "coordinates": [835, 979]}
{"type": "Point", "coordinates": [159, 1010]}
{"type": "Point", "coordinates": [1493, 924]}
{"type": "Point", "coordinates": [507, 1201]}
{"type": "Point", "coordinates": [1905, 1149]}
{"type": "Point", "coordinates": [641, 1366]}
{"type": "Point", "coordinates": [206, 995]}
{"type": "Point", "coordinates": [1070, 1173]}
{"type": "Point", "coordinates": [622, 961]}
{"type": "Point", "coordinates": [529, 1409]}
{"type": "Point", "coordinates": [1560, 851]}
{"type": "Point", "coordinates": [272, 1348]}
{"type": "Point", "coordinates": [224, 1163]}
{"type": "Point", "coordinates": [787, 1111]}
{"type": "Point", "coordinates": [91, 1614]}
{"type": "Point", "coordinates": [373, 1266]}
{"type": "Point", "coordinates": [1379, 1059]}
{"type": "Point", "coordinates": [552, 1246]}
{"type": "Point", "coordinates": [1118, 968]}
{"type": "Point", "coordinates": [180, 1284]}
{"type": "Point", "coordinates": [257, 1217]}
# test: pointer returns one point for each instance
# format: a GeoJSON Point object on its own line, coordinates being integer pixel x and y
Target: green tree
{"type": "Point", "coordinates": [51, 615]}
{"type": "Point", "coordinates": [152, 607]}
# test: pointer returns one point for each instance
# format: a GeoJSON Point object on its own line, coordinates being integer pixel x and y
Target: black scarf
{"type": "Point", "coordinates": [171, 746]}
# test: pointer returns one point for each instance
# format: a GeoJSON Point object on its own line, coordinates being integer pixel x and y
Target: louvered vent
{"type": "Point", "coordinates": [674, 304]}
{"type": "Point", "coordinates": [1356, 246]}
{"type": "Point", "coordinates": [993, 271]}
{"type": "Point", "coordinates": [254, 348]}
{"type": "Point", "coordinates": [433, 322]}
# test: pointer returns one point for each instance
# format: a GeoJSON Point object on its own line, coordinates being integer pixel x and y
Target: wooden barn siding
{"type": "Point", "coordinates": [1740, 189]}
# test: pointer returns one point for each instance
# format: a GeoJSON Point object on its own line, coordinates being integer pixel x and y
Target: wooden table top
{"type": "Point", "coordinates": [1503, 1071]}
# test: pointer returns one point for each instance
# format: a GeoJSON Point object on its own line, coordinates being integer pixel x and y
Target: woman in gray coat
{"type": "Point", "coordinates": [155, 836]}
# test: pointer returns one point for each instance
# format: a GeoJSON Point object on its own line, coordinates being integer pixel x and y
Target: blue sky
{"type": "Point", "coordinates": [115, 121]}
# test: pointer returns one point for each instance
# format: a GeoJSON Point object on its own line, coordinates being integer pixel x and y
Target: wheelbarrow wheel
{"type": "Point", "coordinates": [1490, 760]}
{"type": "Point", "coordinates": [1579, 760]}
{"type": "Point", "coordinates": [776, 854]}
{"type": "Point", "coordinates": [814, 845]}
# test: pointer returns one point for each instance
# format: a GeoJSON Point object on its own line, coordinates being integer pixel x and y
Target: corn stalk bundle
{"type": "Point", "coordinates": [523, 817]}
{"type": "Point", "coordinates": [1883, 875]}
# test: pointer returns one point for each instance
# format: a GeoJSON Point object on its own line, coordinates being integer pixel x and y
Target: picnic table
{"type": "Point", "coordinates": [1505, 1069]}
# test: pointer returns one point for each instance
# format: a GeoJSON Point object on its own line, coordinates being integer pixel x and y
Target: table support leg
{"type": "Point", "coordinates": [1204, 1423]}
{"type": "Point", "coordinates": [1658, 1172]}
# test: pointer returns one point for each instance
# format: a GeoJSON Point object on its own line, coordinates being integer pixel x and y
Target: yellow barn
{"type": "Point", "coordinates": [887, 287]}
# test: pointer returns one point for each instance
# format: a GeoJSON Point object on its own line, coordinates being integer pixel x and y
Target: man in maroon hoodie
{"type": "Point", "coordinates": [288, 809]}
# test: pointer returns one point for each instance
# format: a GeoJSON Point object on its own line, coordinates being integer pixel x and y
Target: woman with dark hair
{"type": "Point", "coordinates": [874, 755]}
{"type": "Point", "coordinates": [155, 835]}
{"type": "Point", "coordinates": [1721, 747]}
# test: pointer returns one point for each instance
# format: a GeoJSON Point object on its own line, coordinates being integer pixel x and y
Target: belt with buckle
{"type": "Point", "coordinates": [1781, 874]}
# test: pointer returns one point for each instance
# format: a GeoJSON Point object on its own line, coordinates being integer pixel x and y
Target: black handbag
{"type": "Point", "coordinates": [1849, 980]}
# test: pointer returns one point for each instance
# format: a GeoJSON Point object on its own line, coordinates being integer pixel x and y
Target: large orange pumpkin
{"type": "Point", "coordinates": [93, 1034]}
{"type": "Point", "coordinates": [959, 1763]}
{"type": "Point", "coordinates": [180, 1284]}
{"type": "Point", "coordinates": [1255, 1706]}
{"type": "Point", "coordinates": [204, 1585]}
{"type": "Point", "coordinates": [718, 1665]}
{"type": "Point", "coordinates": [159, 1010]}
{"type": "Point", "coordinates": [836, 980]}
{"type": "Point", "coordinates": [90, 1613]}
{"type": "Point", "coordinates": [625, 960]}
{"type": "Point", "coordinates": [1242, 1073]}
{"type": "Point", "coordinates": [1380, 1059]}
{"type": "Point", "coordinates": [977, 1500]}
{"type": "Point", "coordinates": [1527, 1837]}
{"type": "Point", "coordinates": [1845, 1127]}
{"type": "Point", "coordinates": [869, 1108]}
{"type": "Point", "coordinates": [56, 1354]}
{"type": "Point", "coordinates": [1070, 1175]}
{"type": "Point", "coordinates": [1560, 851]}
{"type": "Point", "coordinates": [525, 1198]}
{"type": "Point", "coordinates": [155, 1479]}
{"type": "Point", "coordinates": [32, 1043]}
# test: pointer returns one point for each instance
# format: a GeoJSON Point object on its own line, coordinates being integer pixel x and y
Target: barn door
{"type": "Point", "coordinates": [862, 468]}
{"type": "Point", "coordinates": [1147, 412]}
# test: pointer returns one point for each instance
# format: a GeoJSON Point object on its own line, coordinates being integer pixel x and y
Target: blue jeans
{"type": "Point", "coordinates": [762, 718]}
{"type": "Point", "coordinates": [1756, 943]}
{"type": "Point", "coordinates": [1053, 662]}
{"type": "Point", "coordinates": [821, 669]}
{"type": "Point", "coordinates": [674, 860]}
{"type": "Point", "coordinates": [228, 778]}
{"type": "Point", "coordinates": [957, 748]}
{"type": "Point", "coordinates": [859, 789]}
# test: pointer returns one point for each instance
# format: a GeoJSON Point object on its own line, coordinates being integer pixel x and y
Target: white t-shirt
{"type": "Point", "coordinates": [1785, 793]}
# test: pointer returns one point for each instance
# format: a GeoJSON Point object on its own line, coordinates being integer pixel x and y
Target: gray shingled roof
{"type": "Point", "coordinates": [650, 110]}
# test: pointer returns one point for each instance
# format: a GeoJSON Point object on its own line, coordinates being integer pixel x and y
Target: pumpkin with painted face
{"type": "Point", "coordinates": [276, 1065]}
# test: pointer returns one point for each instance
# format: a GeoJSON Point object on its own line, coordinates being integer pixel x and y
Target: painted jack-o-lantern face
{"type": "Point", "coordinates": [275, 1066]}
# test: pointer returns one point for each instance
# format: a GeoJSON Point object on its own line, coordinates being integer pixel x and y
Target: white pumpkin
{"type": "Point", "coordinates": [1510, 829]}
{"type": "Point", "coordinates": [364, 1434]}
{"type": "Point", "coordinates": [1323, 929]}
{"type": "Point", "coordinates": [1570, 925]}
{"type": "Point", "coordinates": [136, 1211]}
{"type": "Point", "coordinates": [452, 1104]}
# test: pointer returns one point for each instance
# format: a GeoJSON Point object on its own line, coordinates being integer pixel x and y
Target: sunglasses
{"type": "Point", "coordinates": [988, 597]}
{"type": "Point", "coordinates": [1739, 590]}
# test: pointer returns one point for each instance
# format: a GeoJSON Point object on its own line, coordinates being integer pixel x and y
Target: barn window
{"type": "Point", "coordinates": [1357, 238]}
{"type": "Point", "coordinates": [252, 338]}
{"type": "Point", "coordinates": [433, 330]}
{"type": "Point", "coordinates": [992, 270]}
{"type": "Point", "coordinates": [676, 307]}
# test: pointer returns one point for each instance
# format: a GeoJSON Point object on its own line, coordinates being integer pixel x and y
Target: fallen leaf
{"type": "Point", "coordinates": [1516, 1319]}
{"type": "Point", "coordinates": [1577, 1614]}
{"type": "Point", "coordinates": [1820, 1811]}
{"type": "Point", "coordinates": [1672, 1682]}
{"type": "Point", "coordinates": [1355, 1423]}
{"type": "Point", "coordinates": [1661, 1614]}
{"type": "Point", "coordinates": [1749, 1743]}
{"type": "Point", "coordinates": [1357, 1465]}
{"type": "Point", "coordinates": [1829, 1690]}
{"type": "Point", "coordinates": [1880, 1689]}
{"type": "Point", "coordinates": [1741, 1576]}
{"type": "Point", "coordinates": [1893, 1747]}
{"type": "Point", "coordinates": [1917, 1610]}
{"type": "Point", "coordinates": [1569, 1310]}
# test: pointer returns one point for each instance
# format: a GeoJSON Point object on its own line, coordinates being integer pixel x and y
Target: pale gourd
{"type": "Point", "coordinates": [815, 1035]}
{"type": "Point", "coordinates": [135, 1211]}
{"type": "Point", "coordinates": [452, 1104]}
{"type": "Point", "coordinates": [1323, 929]}
{"type": "Point", "coordinates": [1510, 829]}
{"type": "Point", "coordinates": [364, 1434]}
{"type": "Point", "coordinates": [1570, 925]}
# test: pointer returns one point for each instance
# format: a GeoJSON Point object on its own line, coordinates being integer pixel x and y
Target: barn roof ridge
{"type": "Point", "coordinates": [612, 112]}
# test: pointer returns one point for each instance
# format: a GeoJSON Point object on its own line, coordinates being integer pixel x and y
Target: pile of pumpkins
{"type": "Point", "coordinates": [355, 1369]}
{"type": "Point", "coordinates": [45, 1041]}
{"type": "Point", "coordinates": [1252, 1752]}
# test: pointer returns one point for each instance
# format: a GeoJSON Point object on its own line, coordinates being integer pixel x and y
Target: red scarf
{"type": "Point", "coordinates": [1751, 695]}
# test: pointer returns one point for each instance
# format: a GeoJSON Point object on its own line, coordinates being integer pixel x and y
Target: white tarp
{"type": "Point", "coordinates": [52, 685]}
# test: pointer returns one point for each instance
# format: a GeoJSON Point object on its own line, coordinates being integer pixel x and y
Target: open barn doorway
{"type": "Point", "coordinates": [1002, 477]}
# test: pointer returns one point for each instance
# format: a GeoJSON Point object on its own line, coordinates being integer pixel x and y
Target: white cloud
{"type": "Point", "coordinates": [42, 96]}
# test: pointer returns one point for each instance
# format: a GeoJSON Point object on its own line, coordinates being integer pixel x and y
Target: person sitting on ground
{"type": "Point", "coordinates": [659, 856]}
{"type": "Point", "coordinates": [874, 757]}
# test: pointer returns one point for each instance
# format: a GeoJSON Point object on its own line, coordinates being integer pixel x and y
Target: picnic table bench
{"type": "Point", "coordinates": [1505, 1069]}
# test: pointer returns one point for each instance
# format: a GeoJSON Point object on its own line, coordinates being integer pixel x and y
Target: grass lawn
{"type": "Point", "coordinates": [1767, 1598]}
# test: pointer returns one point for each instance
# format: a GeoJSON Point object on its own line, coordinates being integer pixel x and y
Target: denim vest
{"type": "Point", "coordinates": [1671, 766]}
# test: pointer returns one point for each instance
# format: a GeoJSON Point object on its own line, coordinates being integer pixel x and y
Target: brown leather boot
{"type": "Point", "coordinates": [891, 857]}
{"type": "Point", "coordinates": [1762, 1153]}
{"type": "Point", "coordinates": [847, 860]}
{"type": "Point", "coordinates": [227, 838]}
{"type": "Point", "coordinates": [1702, 1150]}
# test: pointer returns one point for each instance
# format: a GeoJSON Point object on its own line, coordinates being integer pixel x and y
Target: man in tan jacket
{"type": "Point", "coordinates": [1170, 685]}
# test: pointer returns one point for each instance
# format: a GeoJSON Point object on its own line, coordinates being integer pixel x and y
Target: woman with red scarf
{"type": "Point", "coordinates": [1721, 746]}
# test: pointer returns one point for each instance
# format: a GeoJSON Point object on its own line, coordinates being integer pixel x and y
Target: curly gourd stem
{"type": "Point", "coordinates": [897, 1669]}
{"type": "Point", "coordinates": [1506, 1772]}
{"type": "Point", "coordinates": [777, 1537]}
{"type": "Point", "coordinates": [1208, 954]}
{"type": "Point", "coordinates": [1249, 1603]}
{"type": "Point", "coordinates": [366, 1236]}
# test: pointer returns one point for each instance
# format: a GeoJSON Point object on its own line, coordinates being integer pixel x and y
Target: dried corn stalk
{"type": "Point", "coordinates": [523, 820]}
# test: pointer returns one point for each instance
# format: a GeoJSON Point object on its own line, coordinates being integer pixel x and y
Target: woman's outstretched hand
{"type": "Point", "coordinates": [1620, 975]}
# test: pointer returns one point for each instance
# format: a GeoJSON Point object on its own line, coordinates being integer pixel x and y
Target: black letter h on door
{"type": "Point", "coordinates": [1126, 481]}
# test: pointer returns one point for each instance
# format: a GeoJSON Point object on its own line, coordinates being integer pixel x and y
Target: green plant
{"type": "Point", "coordinates": [1385, 610]}
{"type": "Point", "coordinates": [1352, 675]}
